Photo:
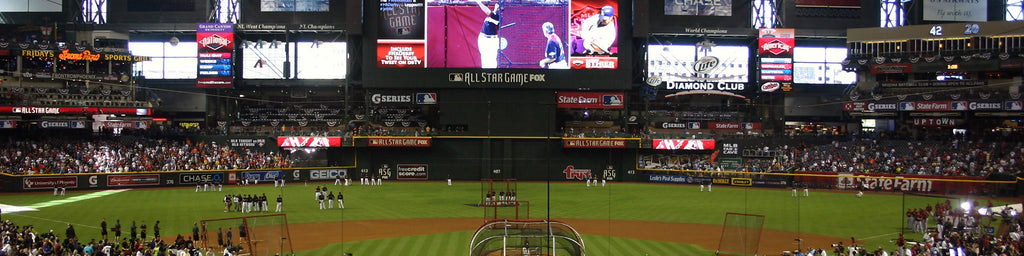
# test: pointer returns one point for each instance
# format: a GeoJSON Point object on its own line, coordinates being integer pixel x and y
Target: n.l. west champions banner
{"type": "Point", "coordinates": [216, 45]}
{"type": "Point", "coordinates": [960, 10]}
{"type": "Point", "coordinates": [775, 50]}
{"type": "Point", "coordinates": [674, 144]}
{"type": "Point", "coordinates": [612, 100]}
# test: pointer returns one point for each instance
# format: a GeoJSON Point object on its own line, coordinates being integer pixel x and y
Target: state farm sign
{"type": "Point", "coordinates": [309, 142]}
{"type": "Point", "coordinates": [849, 181]}
{"type": "Point", "coordinates": [684, 144]}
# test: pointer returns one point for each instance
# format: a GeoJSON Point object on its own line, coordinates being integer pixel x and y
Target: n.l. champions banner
{"type": "Point", "coordinates": [216, 45]}
{"type": "Point", "coordinates": [959, 10]}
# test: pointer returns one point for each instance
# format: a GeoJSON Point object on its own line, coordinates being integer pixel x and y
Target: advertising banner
{"type": "Point", "coordinates": [573, 173]}
{"type": "Point", "coordinates": [122, 124]}
{"type": "Point", "coordinates": [896, 183]}
{"type": "Point", "coordinates": [261, 175]}
{"type": "Point", "coordinates": [600, 100]}
{"type": "Point", "coordinates": [49, 182]}
{"type": "Point", "coordinates": [216, 47]}
{"type": "Point", "coordinates": [72, 111]}
{"type": "Point", "coordinates": [400, 54]}
{"type": "Point", "coordinates": [133, 180]}
{"type": "Point", "coordinates": [412, 171]}
{"type": "Point", "coordinates": [62, 124]}
{"type": "Point", "coordinates": [937, 121]}
{"type": "Point", "coordinates": [744, 182]}
{"type": "Point", "coordinates": [8, 124]}
{"type": "Point", "coordinates": [326, 174]}
{"type": "Point", "coordinates": [901, 68]}
{"type": "Point", "coordinates": [397, 142]}
{"type": "Point", "coordinates": [193, 178]}
{"type": "Point", "coordinates": [309, 142]}
{"type": "Point", "coordinates": [674, 144]}
{"type": "Point", "coordinates": [593, 143]}
{"type": "Point", "coordinates": [247, 142]}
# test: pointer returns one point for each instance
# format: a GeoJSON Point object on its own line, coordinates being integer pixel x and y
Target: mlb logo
{"type": "Point", "coordinates": [748, 126]}
{"type": "Point", "coordinates": [612, 100]}
{"type": "Point", "coordinates": [1013, 106]}
{"type": "Point", "coordinates": [958, 105]}
{"type": "Point", "coordinates": [426, 98]}
{"type": "Point", "coordinates": [693, 125]}
{"type": "Point", "coordinates": [906, 106]}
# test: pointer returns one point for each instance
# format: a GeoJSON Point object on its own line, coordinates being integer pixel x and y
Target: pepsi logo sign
{"type": "Point", "coordinates": [705, 64]}
{"type": "Point", "coordinates": [770, 86]}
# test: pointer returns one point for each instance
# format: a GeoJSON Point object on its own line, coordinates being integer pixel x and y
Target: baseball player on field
{"type": "Point", "coordinates": [488, 42]}
{"type": "Point", "coordinates": [330, 200]}
{"type": "Point", "coordinates": [554, 53]}
{"type": "Point", "coordinates": [598, 32]}
{"type": "Point", "coordinates": [280, 201]}
{"type": "Point", "coordinates": [337, 179]}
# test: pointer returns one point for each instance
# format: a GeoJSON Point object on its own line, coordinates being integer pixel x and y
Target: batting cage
{"type": "Point", "coordinates": [256, 235]}
{"type": "Point", "coordinates": [741, 234]}
{"type": "Point", "coordinates": [526, 238]}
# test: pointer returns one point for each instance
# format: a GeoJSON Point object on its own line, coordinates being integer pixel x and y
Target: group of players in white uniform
{"type": "Point", "coordinates": [322, 194]}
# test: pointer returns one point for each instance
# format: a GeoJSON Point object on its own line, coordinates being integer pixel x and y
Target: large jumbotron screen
{"type": "Point", "coordinates": [496, 34]}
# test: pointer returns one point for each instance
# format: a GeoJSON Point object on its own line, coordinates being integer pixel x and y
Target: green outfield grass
{"type": "Point", "coordinates": [874, 219]}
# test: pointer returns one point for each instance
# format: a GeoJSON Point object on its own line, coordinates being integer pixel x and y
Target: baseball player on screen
{"type": "Point", "coordinates": [554, 53]}
{"type": "Point", "coordinates": [488, 42]}
{"type": "Point", "coordinates": [598, 32]}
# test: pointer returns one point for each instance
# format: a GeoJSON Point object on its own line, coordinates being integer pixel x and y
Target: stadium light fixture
{"type": "Point", "coordinates": [983, 211]}
{"type": "Point", "coordinates": [966, 206]}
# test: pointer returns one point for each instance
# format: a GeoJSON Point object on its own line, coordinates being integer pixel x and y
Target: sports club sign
{"type": "Point", "coordinates": [608, 100]}
{"type": "Point", "coordinates": [309, 142]}
{"type": "Point", "coordinates": [412, 171]}
{"type": "Point", "coordinates": [397, 142]}
{"type": "Point", "coordinates": [49, 182]}
{"type": "Point", "coordinates": [593, 143]}
{"type": "Point", "coordinates": [216, 45]}
{"type": "Point", "coordinates": [673, 144]}
{"type": "Point", "coordinates": [133, 180]}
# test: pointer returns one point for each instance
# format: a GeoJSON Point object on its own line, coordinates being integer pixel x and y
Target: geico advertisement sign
{"type": "Point", "coordinates": [327, 174]}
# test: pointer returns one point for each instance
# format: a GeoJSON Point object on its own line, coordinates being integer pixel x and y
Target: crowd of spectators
{"type": "Point", "coordinates": [127, 154]}
{"type": "Point", "coordinates": [25, 240]}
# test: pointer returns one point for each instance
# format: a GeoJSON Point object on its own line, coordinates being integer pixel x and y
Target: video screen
{"type": "Point", "coordinates": [724, 63]}
{"type": "Point", "coordinates": [491, 34]}
{"type": "Point", "coordinates": [295, 5]}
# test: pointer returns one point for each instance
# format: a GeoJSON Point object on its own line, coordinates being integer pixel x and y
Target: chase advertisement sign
{"type": "Point", "coordinates": [193, 178]}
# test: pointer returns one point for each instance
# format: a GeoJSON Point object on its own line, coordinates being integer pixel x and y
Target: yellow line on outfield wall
{"type": "Point", "coordinates": [861, 175]}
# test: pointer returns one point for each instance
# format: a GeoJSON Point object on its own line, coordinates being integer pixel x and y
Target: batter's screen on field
{"type": "Point", "coordinates": [494, 34]}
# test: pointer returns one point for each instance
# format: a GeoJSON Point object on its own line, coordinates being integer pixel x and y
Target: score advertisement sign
{"type": "Point", "coordinates": [581, 34]}
{"type": "Point", "coordinates": [216, 45]}
{"type": "Point", "coordinates": [775, 49]}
